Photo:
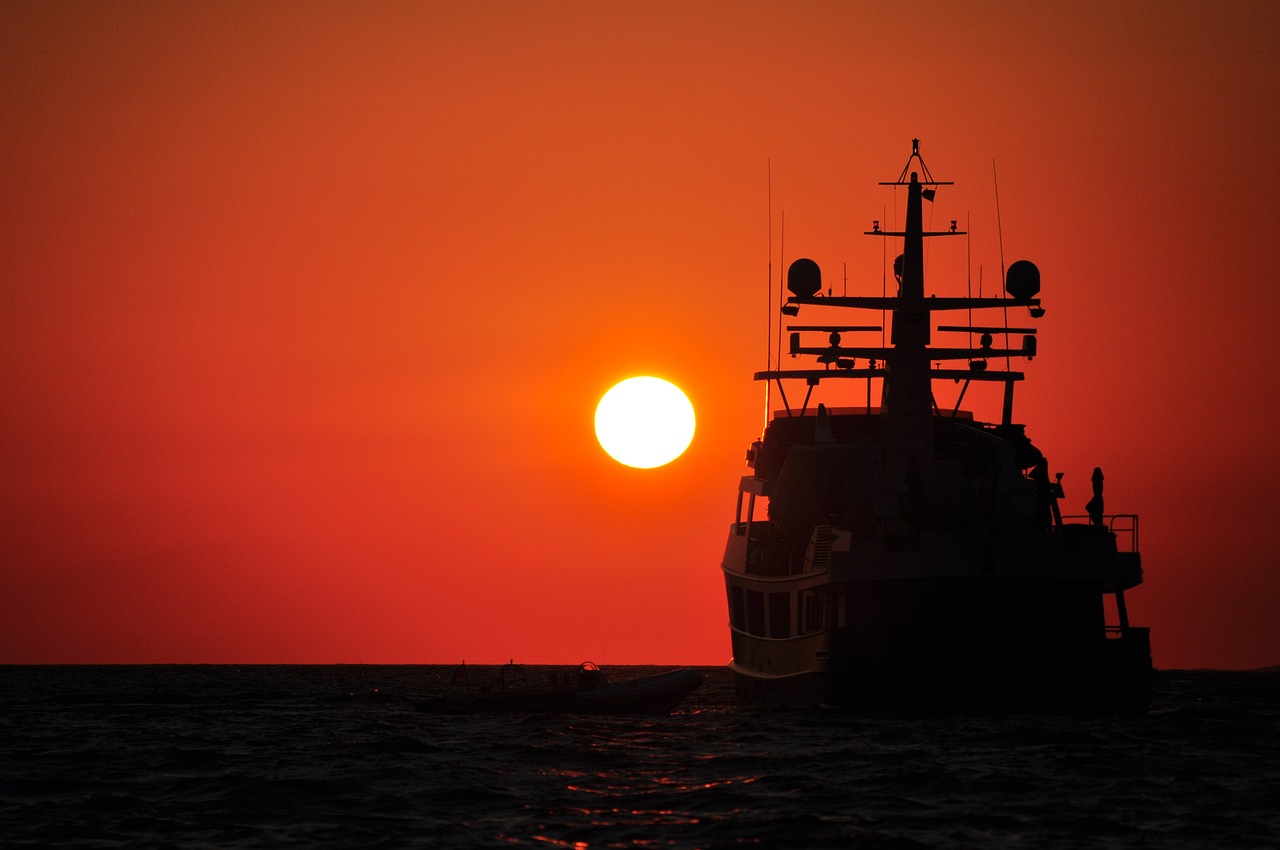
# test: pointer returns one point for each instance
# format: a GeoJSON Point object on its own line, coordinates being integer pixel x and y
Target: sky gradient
{"type": "Point", "coordinates": [307, 306]}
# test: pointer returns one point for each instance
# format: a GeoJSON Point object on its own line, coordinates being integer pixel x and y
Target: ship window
{"type": "Point", "coordinates": [779, 615]}
{"type": "Point", "coordinates": [813, 612]}
{"type": "Point", "coordinates": [756, 509]}
{"type": "Point", "coordinates": [755, 612]}
{"type": "Point", "coordinates": [736, 607]}
{"type": "Point", "coordinates": [759, 509]}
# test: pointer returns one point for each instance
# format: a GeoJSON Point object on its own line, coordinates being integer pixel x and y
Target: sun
{"type": "Point", "coordinates": [644, 422]}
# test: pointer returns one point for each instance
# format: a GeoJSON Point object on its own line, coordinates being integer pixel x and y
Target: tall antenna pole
{"type": "Point", "coordinates": [968, 261]}
{"type": "Point", "coordinates": [768, 289]}
{"type": "Point", "coordinates": [782, 263]}
{"type": "Point", "coordinates": [999, 230]}
{"type": "Point", "coordinates": [1003, 278]}
{"type": "Point", "coordinates": [1006, 415]}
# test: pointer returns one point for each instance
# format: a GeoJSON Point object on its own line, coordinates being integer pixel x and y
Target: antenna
{"type": "Point", "coordinates": [1004, 280]}
{"type": "Point", "coordinates": [1004, 273]}
{"type": "Point", "coordinates": [968, 261]}
{"type": "Point", "coordinates": [999, 230]}
{"type": "Point", "coordinates": [782, 264]}
{"type": "Point", "coordinates": [768, 288]}
{"type": "Point", "coordinates": [884, 273]}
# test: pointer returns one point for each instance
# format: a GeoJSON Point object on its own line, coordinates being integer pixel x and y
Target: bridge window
{"type": "Point", "coordinates": [813, 611]}
{"type": "Point", "coordinates": [751, 509]}
{"type": "Point", "coordinates": [755, 612]}
{"type": "Point", "coordinates": [737, 609]}
{"type": "Point", "coordinates": [779, 615]}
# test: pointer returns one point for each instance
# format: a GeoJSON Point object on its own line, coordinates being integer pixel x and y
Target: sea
{"type": "Point", "coordinates": [341, 757]}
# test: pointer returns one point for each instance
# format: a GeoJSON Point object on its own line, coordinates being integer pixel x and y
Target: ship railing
{"type": "Point", "coordinates": [1123, 526]}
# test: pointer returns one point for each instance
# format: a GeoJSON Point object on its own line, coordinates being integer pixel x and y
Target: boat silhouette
{"type": "Point", "coordinates": [908, 556]}
{"type": "Point", "coordinates": [585, 689]}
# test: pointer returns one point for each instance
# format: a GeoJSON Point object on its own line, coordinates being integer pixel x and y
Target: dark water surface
{"type": "Point", "coordinates": [336, 756]}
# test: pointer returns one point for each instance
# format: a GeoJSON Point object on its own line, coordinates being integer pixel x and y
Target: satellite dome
{"type": "Point", "coordinates": [1022, 281]}
{"type": "Point", "coordinates": [804, 278]}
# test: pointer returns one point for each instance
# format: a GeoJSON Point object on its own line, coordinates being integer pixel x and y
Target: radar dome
{"type": "Point", "coordinates": [804, 278]}
{"type": "Point", "coordinates": [1022, 281]}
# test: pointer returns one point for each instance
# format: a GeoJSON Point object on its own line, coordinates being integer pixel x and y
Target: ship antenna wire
{"type": "Point", "coordinates": [884, 292]}
{"type": "Point", "coordinates": [1004, 309]}
{"type": "Point", "coordinates": [768, 286]}
{"type": "Point", "coordinates": [884, 273]}
{"type": "Point", "coordinates": [782, 263]}
{"type": "Point", "coordinates": [995, 181]}
{"type": "Point", "coordinates": [968, 261]}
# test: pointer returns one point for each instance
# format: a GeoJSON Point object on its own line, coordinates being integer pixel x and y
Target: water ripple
{"type": "Point", "coordinates": [336, 757]}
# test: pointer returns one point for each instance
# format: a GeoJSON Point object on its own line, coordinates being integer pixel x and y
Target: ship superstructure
{"type": "Point", "coordinates": [908, 555]}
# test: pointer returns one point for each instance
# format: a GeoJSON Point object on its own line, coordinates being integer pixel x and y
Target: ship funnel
{"type": "Point", "coordinates": [1022, 281]}
{"type": "Point", "coordinates": [804, 278]}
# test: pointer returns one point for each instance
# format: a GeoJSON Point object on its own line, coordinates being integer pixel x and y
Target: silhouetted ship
{"type": "Point", "coordinates": [910, 556]}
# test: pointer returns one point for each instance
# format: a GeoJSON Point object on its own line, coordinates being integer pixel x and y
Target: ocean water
{"type": "Point", "coordinates": [337, 756]}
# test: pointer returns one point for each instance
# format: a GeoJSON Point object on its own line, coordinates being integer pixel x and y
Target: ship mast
{"type": "Point", "coordinates": [906, 366]}
{"type": "Point", "coordinates": [907, 395]}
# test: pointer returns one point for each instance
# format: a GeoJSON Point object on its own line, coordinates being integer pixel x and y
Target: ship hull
{"type": "Point", "coordinates": [948, 644]}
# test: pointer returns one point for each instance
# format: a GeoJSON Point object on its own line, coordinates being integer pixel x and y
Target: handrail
{"type": "Point", "coordinates": [1123, 526]}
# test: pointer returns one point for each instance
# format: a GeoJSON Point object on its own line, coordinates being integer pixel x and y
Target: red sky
{"type": "Point", "coordinates": [307, 306]}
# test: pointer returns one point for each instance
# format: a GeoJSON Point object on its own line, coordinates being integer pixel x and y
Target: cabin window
{"type": "Point", "coordinates": [740, 527]}
{"type": "Point", "coordinates": [755, 612]}
{"type": "Point", "coordinates": [750, 509]}
{"type": "Point", "coordinates": [779, 615]}
{"type": "Point", "coordinates": [813, 612]}
{"type": "Point", "coordinates": [759, 509]}
{"type": "Point", "coordinates": [737, 612]}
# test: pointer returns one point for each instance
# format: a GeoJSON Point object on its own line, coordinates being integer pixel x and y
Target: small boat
{"type": "Point", "coordinates": [582, 690]}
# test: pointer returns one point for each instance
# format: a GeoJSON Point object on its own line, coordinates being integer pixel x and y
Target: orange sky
{"type": "Point", "coordinates": [307, 306]}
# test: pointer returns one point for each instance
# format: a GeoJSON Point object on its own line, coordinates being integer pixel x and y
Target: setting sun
{"type": "Point", "coordinates": [342, 285]}
{"type": "Point", "coordinates": [644, 422]}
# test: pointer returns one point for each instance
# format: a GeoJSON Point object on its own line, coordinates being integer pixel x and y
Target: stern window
{"type": "Point", "coordinates": [755, 612]}
{"type": "Point", "coordinates": [813, 613]}
{"type": "Point", "coordinates": [779, 615]}
{"type": "Point", "coordinates": [737, 608]}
